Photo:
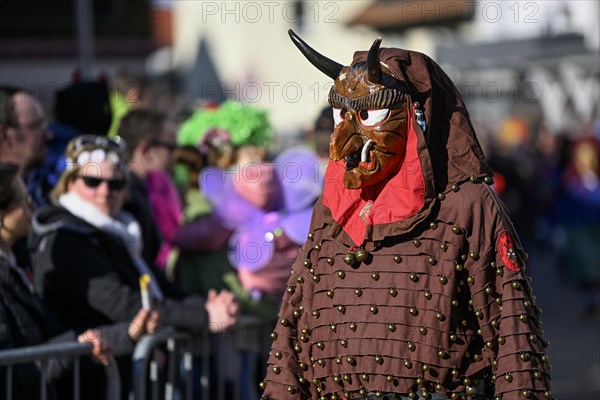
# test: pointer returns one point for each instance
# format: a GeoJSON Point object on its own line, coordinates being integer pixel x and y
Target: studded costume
{"type": "Point", "coordinates": [412, 281]}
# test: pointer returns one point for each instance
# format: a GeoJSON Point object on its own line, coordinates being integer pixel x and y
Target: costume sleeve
{"type": "Point", "coordinates": [509, 321]}
{"type": "Point", "coordinates": [289, 369]}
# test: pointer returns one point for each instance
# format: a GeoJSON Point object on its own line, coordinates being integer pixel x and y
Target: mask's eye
{"type": "Point", "coordinates": [373, 117]}
{"type": "Point", "coordinates": [338, 115]}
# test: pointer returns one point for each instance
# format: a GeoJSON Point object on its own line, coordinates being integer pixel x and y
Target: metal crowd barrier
{"type": "Point", "coordinates": [223, 366]}
{"type": "Point", "coordinates": [42, 353]}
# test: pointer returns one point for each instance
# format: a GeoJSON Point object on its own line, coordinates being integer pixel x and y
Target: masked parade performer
{"type": "Point", "coordinates": [412, 283]}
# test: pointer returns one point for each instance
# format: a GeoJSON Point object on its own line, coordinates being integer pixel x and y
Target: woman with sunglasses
{"type": "Point", "coordinates": [26, 321]}
{"type": "Point", "coordinates": [88, 258]}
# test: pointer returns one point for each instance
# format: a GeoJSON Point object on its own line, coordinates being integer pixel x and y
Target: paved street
{"type": "Point", "coordinates": [574, 340]}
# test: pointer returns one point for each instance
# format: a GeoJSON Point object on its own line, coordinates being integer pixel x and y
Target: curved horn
{"type": "Point", "coordinates": [323, 64]}
{"type": "Point", "coordinates": [373, 62]}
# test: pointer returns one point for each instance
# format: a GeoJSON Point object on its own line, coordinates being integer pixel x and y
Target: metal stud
{"type": "Point", "coordinates": [349, 258]}
{"type": "Point", "coordinates": [346, 377]}
{"type": "Point", "coordinates": [321, 362]}
{"type": "Point", "coordinates": [336, 378]}
{"type": "Point", "coordinates": [479, 314]}
{"type": "Point", "coordinates": [361, 255]}
{"type": "Point", "coordinates": [330, 294]}
{"type": "Point", "coordinates": [523, 317]}
{"type": "Point", "coordinates": [284, 322]}
{"type": "Point", "coordinates": [338, 360]}
{"type": "Point", "coordinates": [501, 340]}
{"type": "Point", "coordinates": [441, 353]}
{"type": "Point", "coordinates": [297, 313]}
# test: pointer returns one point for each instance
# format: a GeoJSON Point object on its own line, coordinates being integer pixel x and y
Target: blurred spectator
{"type": "Point", "coordinates": [319, 135]}
{"type": "Point", "coordinates": [81, 107]}
{"type": "Point", "coordinates": [126, 92]}
{"type": "Point", "coordinates": [150, 139]}
{"type": "Point", "coordinates": [26, 320]}
{"type": "Point", "coordinates": [578, 217]}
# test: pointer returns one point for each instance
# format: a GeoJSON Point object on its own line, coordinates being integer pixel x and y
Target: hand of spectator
{"type": "Point", "coordinates": [102, 350]}
{"type": "Point", "coordinates": [222, 310]}
{"type": "Point", "coordinates": [144, 322]}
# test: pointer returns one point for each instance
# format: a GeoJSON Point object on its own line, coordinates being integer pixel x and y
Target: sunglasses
{"type": "Point", "coordinates": [113, 184]}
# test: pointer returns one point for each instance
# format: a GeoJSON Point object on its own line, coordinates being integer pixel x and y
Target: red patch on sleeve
{"type": "Point", "coordinates": [507, 252]}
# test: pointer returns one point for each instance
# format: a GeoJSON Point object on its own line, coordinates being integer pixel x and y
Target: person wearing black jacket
{"type": "Point", "coordinates": [24, 318]}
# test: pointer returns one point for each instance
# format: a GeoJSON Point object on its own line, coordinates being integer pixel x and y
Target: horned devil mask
{"type": "Point", "coordinates": [370, 110]}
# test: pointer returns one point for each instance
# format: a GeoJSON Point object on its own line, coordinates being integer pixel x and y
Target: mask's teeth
{"type": "Point", "coordinates": [365, 151]}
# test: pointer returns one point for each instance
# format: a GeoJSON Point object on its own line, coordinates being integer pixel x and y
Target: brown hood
{"type": "Point", "coordinates": [448, 152]}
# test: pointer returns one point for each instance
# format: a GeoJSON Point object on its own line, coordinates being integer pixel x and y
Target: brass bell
{"type": "Point", "coordinates": [393, 292]}
{"type": "Point", "coordinates": [478, 314]}
{"type": "Point", "coordinates": [330, 294]}
{"type": "Point", "coordinates": [300, 279]}
{"type": "Point", "coordinates": [471, 390]}
{"type": "Point", "coordinates": [441, 196]}
{"type": "Point", "coordinates": [375, 276]}
{"type": "Point", "coordinates": [274, 336]}
{"type": "Point", "coordinates": [397, 259]}
{"type": "Point", "coordinates": [413, 277]}
{"type": "Point", "coordinates": [425, 367]}
{"type": "Point", "coordinates": [297, 313]}
{"type": "Point", "coordinates": [508, 377]}
{"type": "Point", "coordinates": [470, 280]}
{"type": "Point", "coordinates": [411, 346]}
{"type": "Point", "coordinates": [262, 385]}
{"type": "Point", "coordinates": [338, 360]}
{"type": "Point", "coordinates": [523, 317]}
{"type": "Point", "coordinates": [431, 260]}
{"type": "Point", "coordinates": [362, 392]}
{"type": "Point", "coordinates": [526, 393]}
{"type": "Point", "coordinates": [488, 290]}
{"type": "Point", "coordinates": [453, 337]}
{"type": "Point", "coordinates": [499, 271]}
{"type": "Point", "coordinates": [501, 340]}
{"type": "Point", "coordinates": [457, 230]}
{"type": "Point", "coordinates": [365, 377]}
{"type": "Point", "coordinates": [304, 338]}
{"type": "Point", "coordinates": [341, 308]}
{"type": "Point", "coordinates": [291, 389]}
{"type": "Point", "coordinates": [277, 355]}
{"type": "Point", "coordinates": [346, 377]}
{"type": "Point", "coordinates": [389, 378]}
{"type": "Point", "coordinates": [443, 247]}
{"type": "Point", "coordinates": [548, 394]}
{"type": "Point", "coordinates": [474, 255]}
{"type": "Point", "coordinates": [297, 348]}
{"type": "Point", "coordinates": [276, 370]}
{"type": "Point", "coordinates": [391, 327]}
{"type": "Point", "coordinates": [330, 260]}
{"type": "Point", "coordinates": [441, 353]}
{"type": "Point", "coordinates": [284, 322]}
{"type": "Point", "coordinates": [318, 246]}
{"type": "Point", "coordinates": [455, 373]}
{"type": "Point", "coordinates": [416, 242]}
{"type": "Point", "coordinates": [413, 311]}
{"type": "Point", "coordinates": [350, 360]}
{"type": "Point", "coordinates": [353, 327]}
{"type": "Point", "coordinates": [433, 225]}
{"type": "Point", "coordinates": [361, 255]}
{"type": "Point", "coordinates": [311, 235]}
{"type": "Point", "coordinates": [524, 356]}
{"type": "Point", "coordinates": [454, 188]}
{"type": "Point", "coordinates": [344, 342]}
{"type": "Point", "coordinates": [349, 258]}
{"type": "Point", "coordinates": [537, 375]}
{"type": "Point", "coordinates": [320, 345]}
{"type": "Point", "coordinates": [341, 274]}
{"type": "Point", "coordinates": [333, 327]}
{"type": "Point", "coordinates": [454, 303]}
{"type": "Point", "coordinates": [407, 363]}
{"type": "Point", "coordinates": [443, 279]}
{"type": "Point", "coordinates": [316, 278]}
{"type": "Point", "coordinates": [307, 263]}
{"type": "Point", "coordinates": [488, 180]}
{"type": "Point", "coordinates": [321, 362]}
{"type": "Point", "coordinates": [425, 394]}
{"type": "Point", "coordinates": [427, 294]}
{"type": "Point", "coordinates": [316, 313]}
{"type": "Point", "coordinates": [374, 310]}
{"type": "Point", "coordinates": [378, 394]}
{"type": "Point", "coordinates": [516, 285]}
{"type": "Point", "coordinates": [336, 378]}
{"type": "Point", "coordinates": [378, 359]}
{"type": "Point", "coordinates": [291, 289]}
{"type": "Point", "coordinates": [423, 330]}
{"type": "Point", "coordinates": [459, 267]}
{"type": "Point", "coordinates": [439, 316]}
{"type": "Point", "coordinates": [358, 292]}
